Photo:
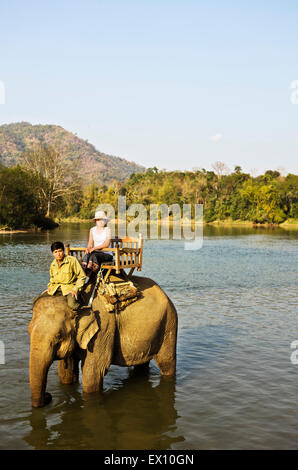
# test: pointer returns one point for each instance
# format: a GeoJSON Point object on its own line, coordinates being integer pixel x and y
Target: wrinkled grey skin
{"type": "Point", "coordinates": [145, 330]}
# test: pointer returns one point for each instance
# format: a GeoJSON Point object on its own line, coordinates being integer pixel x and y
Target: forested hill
{"type": "Point", "coordinates": [92, 165]}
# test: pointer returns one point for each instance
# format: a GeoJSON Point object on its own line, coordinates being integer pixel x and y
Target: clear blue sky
{"type": "Point", "coordinates": [176, 84]}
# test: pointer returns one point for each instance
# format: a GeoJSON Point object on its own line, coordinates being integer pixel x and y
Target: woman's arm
{"type": "Point", "coordinates": [90, 242]}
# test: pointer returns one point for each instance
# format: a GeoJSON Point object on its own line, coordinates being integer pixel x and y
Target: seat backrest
{"type": "Point", "coordinates": [117, 242]}
{"type": "Point", "coordinates": [134, 254]}
{"type": "Point", "coordinates": [126, 242]}
{"type": "Point", "coordinates": [77, 252]}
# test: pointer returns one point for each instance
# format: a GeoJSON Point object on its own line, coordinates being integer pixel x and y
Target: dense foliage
{"type": "Point", "coordinates": [19, 202]}
{"type": "Point", "coordinates": [269, 198]}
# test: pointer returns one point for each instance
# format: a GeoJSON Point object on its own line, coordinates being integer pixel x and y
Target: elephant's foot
{"type": "Point", "coordinates": [92, 384]}
{"type": "Point", "coordinates": [91, 389]}
{"type": "Point", "coordinates": [43, 401]}
{"type": "Point", "coordinates": [47, 398]}
{"type": "Point", "coordinates": [166, 367]}
{"type": "Point", "coordinates": [92, 377]}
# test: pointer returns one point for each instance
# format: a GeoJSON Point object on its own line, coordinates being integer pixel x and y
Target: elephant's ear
{"type": "Point", "coordinates": [87, 327]}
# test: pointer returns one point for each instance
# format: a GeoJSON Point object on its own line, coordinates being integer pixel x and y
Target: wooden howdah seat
{"type": "Point", "coordinates": [127, 251]}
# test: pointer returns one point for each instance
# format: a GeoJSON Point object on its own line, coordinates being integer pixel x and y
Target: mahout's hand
{"type": "Point", "coordinates": [74, 294]}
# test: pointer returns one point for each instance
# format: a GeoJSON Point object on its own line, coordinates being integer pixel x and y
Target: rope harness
{"type": "Point", "coordinates": [116, 296]}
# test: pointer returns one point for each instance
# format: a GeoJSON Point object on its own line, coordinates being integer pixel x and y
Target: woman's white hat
{"type": "Point", "coordinates": [100, 215]}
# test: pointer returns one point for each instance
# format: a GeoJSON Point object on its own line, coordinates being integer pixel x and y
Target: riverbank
{"type": "Point", "coordinates": [288, 224]}
{"type": "Point", "coordinates": [9, 231]}
{"type": "Point", "coordinates": [3, 231]}
{"type": "Point", "coordinates": [41, 223]}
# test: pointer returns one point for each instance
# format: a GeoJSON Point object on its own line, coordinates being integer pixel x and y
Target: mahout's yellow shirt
{"type": "Point", "coordinates": [69, 276]}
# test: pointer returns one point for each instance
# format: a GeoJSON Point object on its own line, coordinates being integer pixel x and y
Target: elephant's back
{"type": "Point", "coordinates": [152, 300]}
{"type": "Point", "coordinates": [140, 327]}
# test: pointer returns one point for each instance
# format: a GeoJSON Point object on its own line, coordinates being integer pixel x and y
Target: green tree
{"type": "Point", "coordinates": [19, 204]}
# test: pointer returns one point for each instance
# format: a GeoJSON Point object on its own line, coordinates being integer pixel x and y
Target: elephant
{"type": "Point", "coordinates": [146, 329]}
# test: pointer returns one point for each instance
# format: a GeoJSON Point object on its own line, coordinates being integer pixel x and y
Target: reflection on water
{"type": "Point", "coordinates": [235, 385]}
{"type": "Point", "coordinates": [137, 415]}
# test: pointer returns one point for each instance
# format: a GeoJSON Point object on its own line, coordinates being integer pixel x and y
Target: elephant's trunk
{"type": "Point", "coordinates": [39, 366]}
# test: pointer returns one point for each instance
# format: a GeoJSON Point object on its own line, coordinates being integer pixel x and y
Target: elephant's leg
{"type": "Point", "coordinates": [166, 356]}
{"type": "Point", "coordinates": [167, 366]}
{"type": "Point", "coordinates": [68, 370]}
{"type": "Point", "coordinates": [98, 355]}
{"type": "Point", "coordinates": [93, 372]}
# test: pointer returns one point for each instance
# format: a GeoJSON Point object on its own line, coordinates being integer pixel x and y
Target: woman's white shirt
{"type": "Point", "coordinates": [100, 238]}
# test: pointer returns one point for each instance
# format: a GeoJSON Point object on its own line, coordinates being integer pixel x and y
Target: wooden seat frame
{"type": "Point", "coordinates": [127, 251]}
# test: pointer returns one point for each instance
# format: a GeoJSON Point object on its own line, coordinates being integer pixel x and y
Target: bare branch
{"type": "Point", "coordinates": [220, 169]}
{"type": "Point", "coordinates": [55, 176]}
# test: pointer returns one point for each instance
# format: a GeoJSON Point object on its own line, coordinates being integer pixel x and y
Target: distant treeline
{"type": "Point", "coordinates": [269, 198]}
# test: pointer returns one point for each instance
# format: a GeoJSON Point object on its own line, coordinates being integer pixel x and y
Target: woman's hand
{"type": "Point", "coordinates": [88, 250]}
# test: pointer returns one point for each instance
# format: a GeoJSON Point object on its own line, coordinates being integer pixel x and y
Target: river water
{"type": "Point", "coordinates": [235, 387]}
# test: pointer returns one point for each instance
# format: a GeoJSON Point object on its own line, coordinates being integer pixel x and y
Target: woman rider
{"type": "Point", "coordinates": [99, 238]}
